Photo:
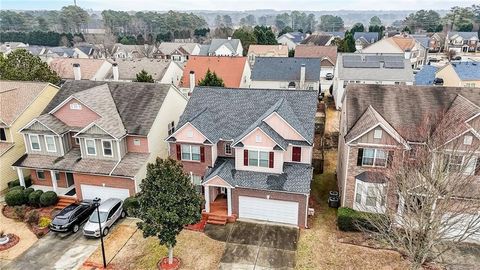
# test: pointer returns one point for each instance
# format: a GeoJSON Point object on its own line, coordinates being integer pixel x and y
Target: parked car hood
{"type": "Point", "coordinates": [60, 220]}
{"type": "Point", "coordinates": [92, 226]}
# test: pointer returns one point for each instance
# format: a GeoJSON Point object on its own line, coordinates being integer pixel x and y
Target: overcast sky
{"type": "Point", "coordinates": [308, 5]}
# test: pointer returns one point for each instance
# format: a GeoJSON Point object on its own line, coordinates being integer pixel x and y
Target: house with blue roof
{"type": "Point", "coordinates": [463, 74]}
{"type": "Point", "coordinates": [292, 39]}
{"type": "Point", "coordinates": [364, 39]}
{"type": "Point", "coordinates": [426, 75]}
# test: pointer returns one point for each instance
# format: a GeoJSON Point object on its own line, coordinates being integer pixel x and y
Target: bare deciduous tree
{"type": "Point", "coordinates": [431, 198]}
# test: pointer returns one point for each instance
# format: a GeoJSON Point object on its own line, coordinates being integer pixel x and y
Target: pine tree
{"type": "Point", "coordinates": [167, 202]}
{"type": "Point", "coordinates": [20, 65]}
{"type": "Point", "coordinates": [143, 76]}
{"type": "Point", "coordinates": [211, 79]}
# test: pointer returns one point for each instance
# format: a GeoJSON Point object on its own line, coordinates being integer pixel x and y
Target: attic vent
{"type": "Point", "coordinates": [75, 106]}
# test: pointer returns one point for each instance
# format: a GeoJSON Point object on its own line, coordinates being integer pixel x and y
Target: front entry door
{"type": "Point", "coordinates": [69, 179]}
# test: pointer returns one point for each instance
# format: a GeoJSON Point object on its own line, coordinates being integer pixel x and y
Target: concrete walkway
{"type": "Point", "coordinates": [27, 239]}
{"type": "Point", "coordinates": [256, 245]}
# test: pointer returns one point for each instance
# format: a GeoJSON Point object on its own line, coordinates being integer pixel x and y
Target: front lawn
{"type": "Point", "coordinates": [319, 246]}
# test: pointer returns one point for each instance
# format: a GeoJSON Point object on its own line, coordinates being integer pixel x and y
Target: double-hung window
{"type": "Point", "coordinates": [34, 142]}
{"type": "Point", "coordinates": [374, 157]}
{"type": "Point", "coordinates": [190, 152]}
{"type": "Point", "coordinates": [228, 148]}
{"type": "Point", "coordinates": [464, 164]}
{"type": "Point", "coordinates": [370, 197]}
{"type": "Point", "coordinates": [50, 143]}
{"type": "Point", "coordinates": [258, 158]}
{"type": "Point", "coordinates": [91, 147]}
{"type": "Point", "coordinates": [171, 128]}
{"type": "Point", "coordinates": [107, 148]}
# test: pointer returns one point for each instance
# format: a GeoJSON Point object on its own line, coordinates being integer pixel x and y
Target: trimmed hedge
{"type": "Point", "coordinates": [16, 188]}
{"type": "Point", "coordinates": [130, 204]}
{"type": "Point", "coordinates": [48, 198]}
{"type": "Point", "coordinates": [34, 198]}
{"type": "Point", "coordinates": [351, 220]}
{"type": "Point", "coordinates": [26, 193]}
{"type": "Point", "coordinates": [15, 197]}
{"type": "Point", "coordinates": [15, 183]}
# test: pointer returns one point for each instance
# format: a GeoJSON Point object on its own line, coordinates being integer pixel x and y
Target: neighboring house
{"type": "Point", "coordinates": [379, 127]}
{"type": "Point", "coordinates": [222, 47]}
{"type": "Point", "coordinates": [162, 71]}
{"type": "Point", "coordinates": [292, 39]}
{"type": "Point", "coordinates": [373, 68]}
{"type": "Point", "coordinates": [437, 42]}
{"type": "Point", "coordinates": [61, 52]}
{"type": "Point", "coordinates": [364, 39]}
{"type": "Point", "coordinates": [266, 51]}
{"type": "Point", "coordinates": [8, 47]}
{"type": "Point", "coordinates": [327, 55]}
{"type": "Point", "coordinates": [37, 50]}
{"type": "Point", "coordinates": [132, 51]}
{"type": "Point", "coordinates": [20, 102]}
{"type": "Point", "coordinates": [234, 71]}
{"type": "Point", "coordinates": [340, 35]}
{"type": "Point", "coordinates": [462, 42]}
{"type": "Point", "coordinates": [463, 74]}
{"type": "Point", "coordinates": [94, 140]}
{"type": "Point", "coordinates": [85, 50]}
{"type": "Point", "coordinates": [286, 73]}
{"type": "Point", "coordinates": [178, 52]}
{"type": "Point", "coordinates": [250, 151]}
{"type": "Point", "coordinates": [426, 75]}
{"type": "Point", "coordinates": [413, 50]}
{"type": "Point", "coordinates": [81, 69]}
{"type": "Point", "coordinates": [318, 40]}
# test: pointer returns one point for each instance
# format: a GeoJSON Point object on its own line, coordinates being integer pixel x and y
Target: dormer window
{"type": "Point", "coordinates": [50, 143]}
{"type": "Point", "coordinates": [377, 134]}
{"type": "Point", "coordinates": [34, 142]}
{"type": "Point", "coordinates": [91, 147]}
{"type": "Point", "coordinates": [171, 128]}
{"type": "Point", "coordinates": [107, 148]}
{"type": "Point", "coordinates": [467, 140]}
{"type": "Point", "coordinates": [75, 106]}
{"type": "Point", "coordinates": [228, 148]}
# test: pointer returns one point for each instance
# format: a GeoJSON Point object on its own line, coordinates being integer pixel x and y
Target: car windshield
{"type": "Point", "coordinates": [94, 217]}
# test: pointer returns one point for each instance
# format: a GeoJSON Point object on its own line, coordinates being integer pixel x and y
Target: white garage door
{"type": "Point", "coordinates": [90, 192]}
{"type": "Point", "coordinates": [269, 210]}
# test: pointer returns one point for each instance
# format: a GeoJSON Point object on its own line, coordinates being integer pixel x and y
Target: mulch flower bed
{"type": "Point", "coordinates": [13, 240]}
{"type": "Point", "coordinates": [10, 212]}
{"type": "Point", "coordinates": [164, 265]}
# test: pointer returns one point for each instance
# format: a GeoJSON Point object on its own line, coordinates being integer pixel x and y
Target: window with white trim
{"type": "Point", "coordinates": [370, 197]}
{"type": "Point", "coordinates": [34, 142]}
{"type": "Point", "coordinates": [91, 147]}
{"type": "Point", "coordinates": [458, 163]}
{"type": "Point", "coordinates": [41, 175]}
{"type": "Point", "coordinates": [50, 143]}
{"type": "Point", "coordinates": [374, 157]}
{"type": "Point", "coordinates": [107, 148]}
{"type": "Point", "coordinates": [258, 158]}
{"type": "Point", "coordinates": [228, 148]}
{"type": "Point", "coordinates": [190, 152]}
{"type": "Point", "coordinates": [171, 128]}
{"type": "Point", "coordinates": [75, 106]}
{"type": "Point", "coordinates": [377, 134]}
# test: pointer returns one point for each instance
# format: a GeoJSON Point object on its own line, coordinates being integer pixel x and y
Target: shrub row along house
{"type": "Point", "coordinates": [387, 126]}
{"type": "Point", "coordinates": [94, 139]}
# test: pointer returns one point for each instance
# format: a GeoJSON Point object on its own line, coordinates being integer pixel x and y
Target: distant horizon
{"type": "Point", "coordinates": [237, 6]}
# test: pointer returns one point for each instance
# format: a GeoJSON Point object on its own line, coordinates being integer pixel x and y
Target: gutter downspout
{"type": "Point", "coordinates": [119, 158]}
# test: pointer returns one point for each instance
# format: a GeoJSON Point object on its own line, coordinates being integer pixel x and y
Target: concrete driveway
{"type": "Point", "coordinates": [56, 251]}
{"type": "Point", "coordinates": [257, 246]}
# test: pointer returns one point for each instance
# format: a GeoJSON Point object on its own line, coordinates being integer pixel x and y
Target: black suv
{"type": "Point", "coordinates": [72, 216]}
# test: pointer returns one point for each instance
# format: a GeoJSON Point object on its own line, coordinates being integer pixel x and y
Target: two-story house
{"type": "Point", "coordinates": [286, 73]}
{"type": "Point", "coordinates": [463, 74]}
{"type": "Point", "coordinates": [250, 151]}
{"type": "Point", "coordinates": [95, 138]}
{"type": "Point", "coordinates": [381, 126]}
{"type": "Point", "coordinates": [222, 47]}
{"type": "Point", "coordinates": [266, 51]}
{"type": "Point", "coordinates": [436, 43]}
{"type": "Point", "coordinates": [327, 54]}
{"type": "Point", "coordinates": [292, 39]}
{"type": "Point", "coordinates": [462, 42]}
{"type": "Point", "coordinates": [369, 68]}
{"type": "Point", "coordinates": [178, 52]}
{"type": "Point", "coordinates": [20, 102]}
{"type": "Point", "coordinates": [364, 39]}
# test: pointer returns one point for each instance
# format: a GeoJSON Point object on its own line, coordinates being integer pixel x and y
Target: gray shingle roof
{"type": "Point", "coordinates": [296, 37]}
{"type": "Point", "coordinates": [136, 103]}
{"type": "Point", "coordinates": [225, 113]}
{"type": "Point", "coordinates": [369, 37]}
{"type": "Point", "coordinates": [231, 44]}
{"type": "Point", "coordinates": [129, 68]}
{"type": "Point", "coordinates": [295, 178]}
{"type": "Point", "coordinates": [464, 35]}
{"type": "Point", "coordinates": [285, 69]}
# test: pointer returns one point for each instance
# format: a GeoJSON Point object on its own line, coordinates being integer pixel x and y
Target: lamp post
{"type": "Point", "coordinates": [96, 201]}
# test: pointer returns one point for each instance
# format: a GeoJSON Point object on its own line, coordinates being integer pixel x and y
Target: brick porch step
{"type": "Point", "coordinates": [217, 220]}
{"type": "Point", "coordinates": [64, 201]}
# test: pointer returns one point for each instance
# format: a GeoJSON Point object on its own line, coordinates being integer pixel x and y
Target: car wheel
{"type": "Point", "coordinates": [105, 232]}
{"type": "Point", "coordinates": [75, 228]}
{"type": "Point", "coordinates": [123, 214]}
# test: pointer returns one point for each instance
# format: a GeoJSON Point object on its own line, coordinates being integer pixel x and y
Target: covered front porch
{"type": "Point", "coordinates": [218, 204]}
{"type": "Point", "coordinates": [51, 178]}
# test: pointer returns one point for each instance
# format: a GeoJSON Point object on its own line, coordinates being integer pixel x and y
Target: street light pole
{"type": "Point", "coordinates": [97, 204]}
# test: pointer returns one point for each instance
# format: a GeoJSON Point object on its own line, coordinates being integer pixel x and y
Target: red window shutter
{"type": "Point", "coordinates": [202, 153]}
{"type": "Point", "coordinates": [271, 160]}
{"type": "Point", "coordinates": [296, 154]}
{"type": "Point", "coordinates": [179, 152]}
{"type": "Point", "coordinates": [245, 157]}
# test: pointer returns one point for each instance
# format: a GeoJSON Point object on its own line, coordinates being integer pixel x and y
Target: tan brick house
{"type": "Point", "coordinates": [249, 151]}
{"type": "Point", "coordinates": [95, 139]}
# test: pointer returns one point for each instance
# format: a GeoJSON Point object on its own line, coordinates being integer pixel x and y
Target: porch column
{"type": "Point", "coordinates": [20, 177]}
{"type": "Point", "coordinates": [207, 199]}
{"type": "Point", "coordinates": [54, 181]}
{"type": "Point", "coordinates": [229, 201]}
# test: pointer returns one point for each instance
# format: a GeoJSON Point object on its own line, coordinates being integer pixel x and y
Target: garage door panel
{"type": "Point", "coordinates": [90, 192]}
{"type": "Point", "coordinates": [269, 210]}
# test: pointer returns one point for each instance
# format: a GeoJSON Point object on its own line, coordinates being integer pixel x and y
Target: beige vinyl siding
{"type": "Point", "coordinates": [99, 150]}
{"type": "Point", "coordinates": [123, 146]}
{"type": "Point", "coordinates": [95, 130]}
{"type": "Point", "coordinates": [38, 128]}
{"type": "Point", "coordinates": [43, 146]}
{"type": "Point", "coordinates": [7, 173]}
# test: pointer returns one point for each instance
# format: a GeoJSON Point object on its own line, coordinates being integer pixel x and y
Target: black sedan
{"type": "Point", "coordinates": [72, 216]}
